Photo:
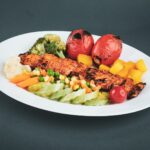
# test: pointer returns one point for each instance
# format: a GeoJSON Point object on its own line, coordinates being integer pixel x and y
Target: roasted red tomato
{"type": "Point", "coordinates": [107, 49]}
{"type": "Point", "coordinates": [79, 41]}
{"type": "Point", "coordinates": [118, 94]}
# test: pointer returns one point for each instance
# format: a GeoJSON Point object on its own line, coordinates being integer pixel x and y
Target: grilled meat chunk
{"type": "Point", "coordinates": [67, 66]}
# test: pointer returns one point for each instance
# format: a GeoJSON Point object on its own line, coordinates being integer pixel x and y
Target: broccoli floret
{"type": "Point", "coordinates": [51, 44]}
{"type": "Point", "coordinates": [53, 48]}
{"type": "Point", "coordinates": [38, 47]}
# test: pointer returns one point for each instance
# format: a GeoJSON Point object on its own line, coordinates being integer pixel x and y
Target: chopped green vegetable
{"type": "Point", "coordinates": [96, 102]}
{"type": "Point", "coordinates": [88, 84]}
{"type": "Point", "coordinates": [50, 72]}
{"type": "Point", "coordinates": [56, 74]}
{"type": "Point", "coordinates": [60, 93]}
{"type": "Point", "coordinates": [49, 89]}
{"type": "Point", "coordinates": [36, 87]}
{"type": "Point", "coordinates": [86, 97]}
{"type": "Point", "coordinates": [72, 95]}
{"type": "Point", "coordinates": [41, 79]}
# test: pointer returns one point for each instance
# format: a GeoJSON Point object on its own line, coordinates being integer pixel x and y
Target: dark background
{"type": "Point", "coordinates": [25, 128]}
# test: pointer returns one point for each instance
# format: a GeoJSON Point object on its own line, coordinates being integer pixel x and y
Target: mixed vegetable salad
{"type": "Point", "coordinates": [103, 55]}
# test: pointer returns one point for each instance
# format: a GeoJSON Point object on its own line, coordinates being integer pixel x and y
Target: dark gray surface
{"type": "Point", "coordinates": [25, 128]}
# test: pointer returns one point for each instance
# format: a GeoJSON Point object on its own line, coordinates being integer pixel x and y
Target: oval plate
{"type": "Point", "coordinates": [22, 43]}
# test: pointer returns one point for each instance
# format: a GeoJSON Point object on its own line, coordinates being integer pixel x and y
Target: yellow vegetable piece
{"type": "Point", "coordinates": [129, 65]}
{"type": "Point", "coordinates": [85, 59]}
{"type": "Point", "coordinates": [136, 75]}
{"type": "Point", "coordinates": [104, 67]}
{"type": "Point", "coordinates": [116, 67]}
{"type": "Point", "coordinates": [123, 73]}
{"type": "Point", "coordinates": [140, 65]}
{"type": "Point", "coordinates": [120, 61]}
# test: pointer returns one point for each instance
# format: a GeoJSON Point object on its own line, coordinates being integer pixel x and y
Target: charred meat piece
{"type": "Point", "coordinates": [67, 67]}
{"type": "Point", "coordinates": [136, 89]}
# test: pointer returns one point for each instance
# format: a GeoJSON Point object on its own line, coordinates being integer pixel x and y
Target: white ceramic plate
{"type": "Point", "coordinates": [22, 43]}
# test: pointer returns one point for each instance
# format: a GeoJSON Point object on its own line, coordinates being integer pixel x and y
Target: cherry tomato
{"type": "Point", "coordinates": [107, 49]}
{"type": "Point", "coordinates": [79, 41]}
{"type": "Point", "coordinates": [118, 94]}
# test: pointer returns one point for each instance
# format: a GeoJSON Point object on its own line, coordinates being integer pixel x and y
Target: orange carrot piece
{"type": "Point", "coordinates": [43, 72]}
{"type": "Point", "coordinates": [20, 77]}
{"type": "Point", "coordinates": [28, 82]}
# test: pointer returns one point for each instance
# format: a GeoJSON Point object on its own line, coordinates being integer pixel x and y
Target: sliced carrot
{"type": "Point", "coordinates": [28, 82]}
{"type": "Point", "coordinates": [43, 72]}
{"type": "Point", "coordinates": [20, 77]}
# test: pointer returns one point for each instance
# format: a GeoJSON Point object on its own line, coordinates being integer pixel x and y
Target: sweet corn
{"type": "Point", "coordinates": [74, 79]}
{"type": "Point", "coordinates": [46, 78]}
{"type": "Point", "coordinates": [88, 90]}
{"type": "Point", "coordinates": [51, 79]}
{"type": "Point", "coordinates": [83, 83]}
{"type": "Point", "coordinates": [75, 87]}
{"type": "Point", "coordinates": [36, 72]}
{"type": "Point", "coordinates": [67, 81]}
{"type": "Point", "coordinates": [72, 83]}
{"type": "Point", "coordinates": [62, 77]}
{"type": "Point", "coordinates": [92, 84]}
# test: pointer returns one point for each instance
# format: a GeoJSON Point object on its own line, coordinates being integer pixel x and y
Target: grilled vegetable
{"type": "Point", "coordinates": [118, 94]}
{"type": "Point", "coordinates": [107, 49]}
{"type": "Point", "coordinates": [79, 41]}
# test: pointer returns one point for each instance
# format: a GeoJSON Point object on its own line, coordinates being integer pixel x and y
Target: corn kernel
{"type": "Point", "coordinates": [72, 83]}
{"type": "Point", "coordinates": [74, 79]}
{"type": "Point", "coordinates": [51, 79]}
{"type": "Point", "coordinates": [76, 86]}
{"type": "Point", "coordinates": [83, 83]}
{"type": "Point", "coordinates": [36, 72]}
{"type": "Point", "coordinates": [46, 78]}
{"type": "Point", "coordinates": [67, 81]}
{"type": "Point", "coordinates": [92, 84]}
{"type": "Point", "coordinates": [62, 77]}
{"type": "Point", "coordinates": [88, 90]}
